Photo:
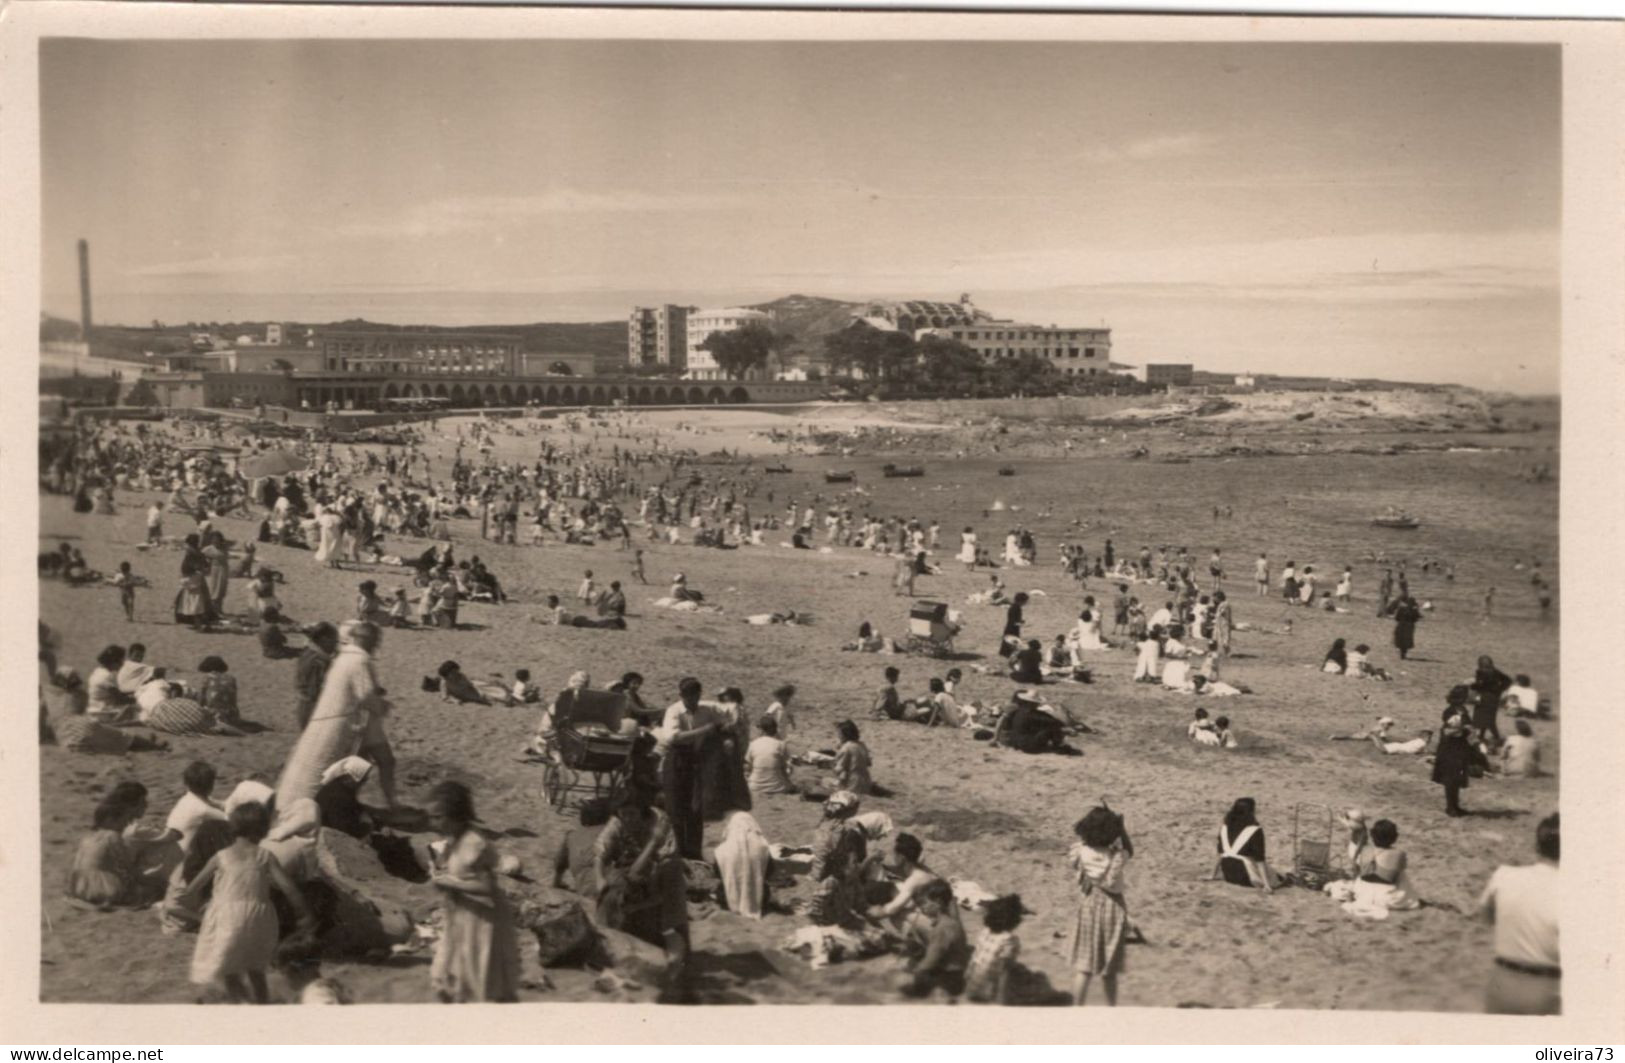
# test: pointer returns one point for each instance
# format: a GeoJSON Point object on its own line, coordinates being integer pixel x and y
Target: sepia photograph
{"type": "Point", "coordinates": [624, 518]}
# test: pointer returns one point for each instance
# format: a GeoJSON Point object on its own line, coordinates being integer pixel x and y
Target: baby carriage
{"type": "Point", "coordinates": [1312, 829]}
{"type": "Point", "coordinates": [930, 631]}
{"type": "Point", "coordinates": [590, 756]}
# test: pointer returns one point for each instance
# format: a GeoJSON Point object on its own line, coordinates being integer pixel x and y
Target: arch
{"type": "Point", "coordinates": [905, 323]}
{"type": "Point", "coordinates": [390, 392]}
{"type": "Point", "coordinates": [597, 396]}
{"type": "Point", "coordinates": [521, 393]}
{"type": "Point", "coordinates": [552, 397]}
{"type": "Point", "coordinates": [696, 396]}
{"type": "Point", "coordinates": [660, 396]}
{"type": "Point", "coordinates": [640, 396]}
{"type": "Point", "coordinates": [457, 396]}
{"type": "Point", "coordinates": [506, 394]}
{"type": "Point", "coordinates": [738, 395]}
{"type": "Point", "coordinates": [715, 395]}
{"type": "Point", "coordinates": [440, 392]}
{"type": "Point", "coordinates": [409, 391]}
{"type": "Point", "coordinates": [490, 394]}
{"type": "Point", "coordinates": [567, 396]}
{"type": "Point", "coordinates": [612, 393]}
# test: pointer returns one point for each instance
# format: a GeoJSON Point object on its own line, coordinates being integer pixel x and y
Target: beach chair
{"type": "Point", "coordinates": [929, 631]}
{"type": "Point", "coordinates": [1313, 828]}
{"type": "Point", "coordinates": [591, 757]}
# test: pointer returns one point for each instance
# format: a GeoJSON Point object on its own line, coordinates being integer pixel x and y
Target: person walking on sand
{"type": "Point", "coordinates": [1406, 616]}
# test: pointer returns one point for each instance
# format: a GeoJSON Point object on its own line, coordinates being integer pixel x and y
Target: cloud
{"type": "Point", "coordinates": [468, 214]}
{"type": "Point", "coordinates": [215, 266]}
{"type": "Point", "coordinates": [1376, 266]}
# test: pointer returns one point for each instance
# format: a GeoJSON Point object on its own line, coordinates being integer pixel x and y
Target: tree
{"type": "Point", "coordinates": [879, 354]}
{"type": "Point", "coordinates": [740, 350]}
{"type": "Point", "coordinates": [1028, 374]}
{"type": "Point", "coordinates": [948, 367]}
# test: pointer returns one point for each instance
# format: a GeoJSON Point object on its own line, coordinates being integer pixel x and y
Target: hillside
{"type": "Point", "coordinates": [808, 318]}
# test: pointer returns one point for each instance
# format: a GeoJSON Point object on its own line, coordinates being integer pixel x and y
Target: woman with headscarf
{"type": "Point", "coordinates": [348, 716]}
{"type": "Point", "coordinates": [742, 858]}
{"type": "Point", "coordinates": [839, 849]}
{"type": "Point", "coordinates": [1489, 685]}
{"type": "Point", "coordinates": [1241, 849]}
{"type": "Point", "coordinates": [1455, 753]}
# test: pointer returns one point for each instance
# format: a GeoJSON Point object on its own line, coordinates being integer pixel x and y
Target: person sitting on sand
{"type": "Point", "coordinates": [1027, 664]}
{"type": "Point", "coordinates": [1381, 884]}
{"type": "Point", "coordinates": [767, 761]}
{"type": "Point", "coordinates": [938, 707]}
{"type": "Point", "coordinates": [1227, 737]}
{"type": "Point", "coordinates": [455, 686]}
{"type": "Point", "coordinates": [1337, 659]}
{"type": "Point", "coordinates": [1149, 649]}
{"type": "Point", "coordinates": [939, 950]}
{"type": "Point", "coordinates": [680, 591]}
{"type": "Point", "coordinates": [1360, 667]}
{"type": "Point", "coordinates": [852, 762]}
{"type": "Point", "coordinates": [867, 641]}
{"type": "Point", "coordinates": [1520, 755]}
{"type": "Point", "coordinates": [1201, 730]}
{"type": "Point", "coordinates": [1520, 699]}
{"type": "Point", "coordinates": [1242, 859]}
{"type": "Point", "coordinates": [904, 877]}
{"type": "Point", "coordinates": [1026, 727]}
{"type": "Point", "coordinates": [1176, 676]}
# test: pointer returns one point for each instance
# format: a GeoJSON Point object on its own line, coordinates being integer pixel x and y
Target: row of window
{"type": "Point", "coordinates": [1047, 352]}
{"type": "Point", "coordinates": [1015, 334]}
{"type": "Point", "coordinates": [347, 365]}
{"type": "Point", "coordinates": [391, 350]}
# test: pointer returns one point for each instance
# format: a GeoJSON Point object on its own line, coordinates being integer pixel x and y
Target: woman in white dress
{"type": "Point", "coordinates": [1012, 551]}
{"type": "Point", "coordinates": [331, 525]}
{"type": "Point", "coordinates": [967, 549]}
{"type": "Point", "coordinates": [1087, 634]}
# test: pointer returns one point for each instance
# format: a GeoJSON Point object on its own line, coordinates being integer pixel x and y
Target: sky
{"type": "Point", "coordinates": [1333, 209]}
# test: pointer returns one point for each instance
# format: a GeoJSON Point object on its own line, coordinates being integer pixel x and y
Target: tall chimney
{"type": "Point", "coordinates": [84, 291]}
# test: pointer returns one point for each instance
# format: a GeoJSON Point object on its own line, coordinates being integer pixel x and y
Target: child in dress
{"type": "Point", "coordinates": [238, 939]}
{"type": "Point", "coordinates": [218, 691]}
{"type": "Point", "coordinates": [779, 710]}
{"type": "Point", "coordinates": [125, 580]}
{"type": "Point", "coordinates": [399, 609]}
{"type": "Point", "coordinates": [987, 980]}
{"type": "Point", "coordinates": [1201, 730]}
{"type": "Point", "coordinates": [477, 957]}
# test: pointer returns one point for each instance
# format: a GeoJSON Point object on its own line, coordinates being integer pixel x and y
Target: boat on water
{"type": "Point", "coordinates": [894, 471]}
{"type": "Point", "coordinates": [777, 468]}
{"type": "Point", "coordinates": [1394, 518]}
{"type": "Point", "coordinates": [836, 477]}
{"type": "Point", "coordinates": [1005, 470]}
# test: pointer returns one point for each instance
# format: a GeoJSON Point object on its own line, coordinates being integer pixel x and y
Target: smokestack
{"type": "Point", "coordinates": [84, 290]}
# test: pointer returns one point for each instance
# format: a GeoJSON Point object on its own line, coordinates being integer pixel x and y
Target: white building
{"type": "Point", "coordinates": [702, 324]}
{"type": "Point", "coordinates": [273, 335]}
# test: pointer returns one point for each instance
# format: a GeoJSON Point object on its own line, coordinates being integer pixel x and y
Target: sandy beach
{"type": "Point", "coordinates": [992, 816]}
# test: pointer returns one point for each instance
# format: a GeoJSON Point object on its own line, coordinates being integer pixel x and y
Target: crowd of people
{"type": "Point", "coordinates": [241, 874]}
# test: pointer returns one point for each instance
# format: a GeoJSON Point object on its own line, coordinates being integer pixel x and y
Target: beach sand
{"type": "Point", "coordinates": [992, 816]}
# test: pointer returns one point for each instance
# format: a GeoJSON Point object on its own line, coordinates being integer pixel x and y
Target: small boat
{"type": "Point", "coordinates": [1396, 519]}
{"type": "Point", "coordinates": [778, 468]}
{"type": "Point", "coordinates": [1005, 470]}
{"type": "Point", "coordinates": [894, 471]}
{"type": "Point", "coordinates": [834, 477]}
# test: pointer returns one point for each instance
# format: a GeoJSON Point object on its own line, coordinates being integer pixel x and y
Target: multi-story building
{"type": "Point", "coordinates": [702, 324]}
{"type": "Point", "coordinates": [1072, 351]}
{"type": "Point", "coordinates": [407, 353]}
{"type": "Point", "coordinates": [658, 335]}
{"type": "Point", "coordinates": [913, 315]}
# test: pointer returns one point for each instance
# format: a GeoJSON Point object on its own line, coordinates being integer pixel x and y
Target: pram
{"type": "Point", "coordinates": [929, 630]}
{"type": "Point", "coordinates": [1312, 834]}
{"type": "Point", "coordinates": [590, 757]}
